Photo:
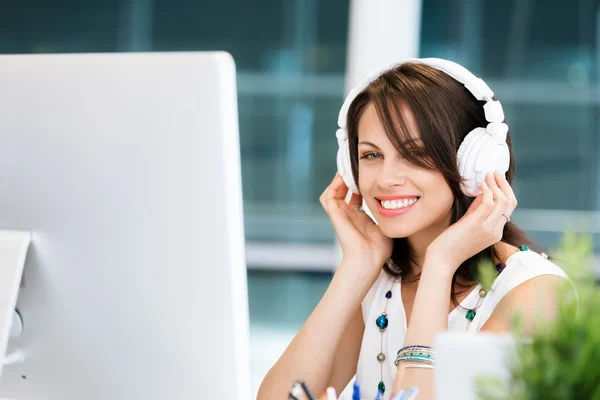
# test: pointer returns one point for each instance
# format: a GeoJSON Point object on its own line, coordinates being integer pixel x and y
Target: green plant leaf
{"type": "Point", "coordinates": [562, 359]}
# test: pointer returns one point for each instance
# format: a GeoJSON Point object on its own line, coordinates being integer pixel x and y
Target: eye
{"type": "Point", "coordinates": [370, 155]}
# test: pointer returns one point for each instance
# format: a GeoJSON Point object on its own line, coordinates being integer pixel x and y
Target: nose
{"type": "Point", "coordinates": [391, 175]}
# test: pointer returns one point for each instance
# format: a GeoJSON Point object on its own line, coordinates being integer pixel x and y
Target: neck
{"type": "Point", "coordinates": [419, 242]}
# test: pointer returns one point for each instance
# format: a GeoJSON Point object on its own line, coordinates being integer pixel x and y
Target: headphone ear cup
{"type": "Point", "coordinates": [493, 156]}
{"type": "Point", "coordinates": [467, 156]}
{"type": "Point", "coordinates": [344, 166]}
{"type": "Point", "coordinates": [464, 149]}
{"type": "Point", "coordinates": [481, 152]}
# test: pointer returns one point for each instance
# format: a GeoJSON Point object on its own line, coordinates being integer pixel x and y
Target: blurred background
{"type": "Point", "coordinates": [297, 58]}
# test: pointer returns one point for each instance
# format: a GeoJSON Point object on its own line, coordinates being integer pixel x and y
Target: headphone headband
{"type": "Point", "coordinates": [480, 90]}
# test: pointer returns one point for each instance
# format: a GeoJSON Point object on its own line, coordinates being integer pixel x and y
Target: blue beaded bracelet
{"type": "Point", "coordinates": [416, 353]}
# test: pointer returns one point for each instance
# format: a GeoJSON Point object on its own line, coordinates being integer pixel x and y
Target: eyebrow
{"type": "Point", "coordinates": [407, 143]}
{"type": "Point", "coordinates": [369, 144]}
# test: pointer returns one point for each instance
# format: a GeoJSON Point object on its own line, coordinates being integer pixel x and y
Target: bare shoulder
{"type": "Point", "coordinates": [533, 301]}
{"type": "Point", "coordinates": [532, 291]}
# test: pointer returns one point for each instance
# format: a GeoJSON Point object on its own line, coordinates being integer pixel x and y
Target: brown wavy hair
{"type": "Point", "coordinates": [445, 112]}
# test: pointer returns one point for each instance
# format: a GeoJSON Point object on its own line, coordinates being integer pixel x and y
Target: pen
{"type": "Point", "coordinates": [297, 393]}
{"type": "Point", "coordinates": [398, 395]}
{"type": "Point", "coordinates": [356, 391]}
{"type": "Point", "coordinates": [306, 391]}
{"type": "Point", "coordinates": [411, 393]}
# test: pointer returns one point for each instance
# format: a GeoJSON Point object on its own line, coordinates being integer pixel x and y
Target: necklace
{"type": "Point", "coordinates": [382, 320]}
{"type": "Point", "coordinates": [471, 313]}
{"type": "Point", "coordinates": [382, 323]}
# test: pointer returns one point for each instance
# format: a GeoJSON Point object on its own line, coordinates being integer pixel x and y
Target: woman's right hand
{"type": "Point", "coordinates": [359, 237]}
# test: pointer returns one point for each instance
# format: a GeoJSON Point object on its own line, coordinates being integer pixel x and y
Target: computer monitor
{"type": "Point", "coordinates": [463, 359]}
{"type": "Point", "coordinates": [126, 169]}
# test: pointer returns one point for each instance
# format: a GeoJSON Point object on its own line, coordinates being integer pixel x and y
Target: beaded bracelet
{"type": "Point", "coordinates": [416, 353]}
{"type": "Point", "coordinates": [414, 347]}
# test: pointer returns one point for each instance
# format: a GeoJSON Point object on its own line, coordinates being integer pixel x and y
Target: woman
{"type": "Point", "coordinates": [412, 274]}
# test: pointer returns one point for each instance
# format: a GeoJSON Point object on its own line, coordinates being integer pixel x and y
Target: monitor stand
{"type": "Point", "coordinates": [13, 252]}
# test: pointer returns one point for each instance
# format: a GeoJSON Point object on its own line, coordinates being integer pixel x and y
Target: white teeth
{"type": "Point", "coordinates": [394, 204]}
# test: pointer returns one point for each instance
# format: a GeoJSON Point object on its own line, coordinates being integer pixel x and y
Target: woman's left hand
{"type": "Point", "coordinates": [481, 227]}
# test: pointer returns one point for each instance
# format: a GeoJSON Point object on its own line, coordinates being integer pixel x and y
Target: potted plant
{"type": "Point", "coordinates": [562, 358]}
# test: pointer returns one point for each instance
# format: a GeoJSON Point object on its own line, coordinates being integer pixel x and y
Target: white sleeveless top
{"type": "Point", "coordinates": [520, 267]}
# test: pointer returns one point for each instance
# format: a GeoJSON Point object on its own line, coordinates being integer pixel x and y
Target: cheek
{"type": "Point", "coordinates": [433, 186]}
{"type": "Point", "coordinates": [365, 184]}
{"type": "Point", "coordinates": [445, 193]}
{"type": "Point", "coordinates": [440, 193]}
{"type": "Point", "coordinates": [365, 179]}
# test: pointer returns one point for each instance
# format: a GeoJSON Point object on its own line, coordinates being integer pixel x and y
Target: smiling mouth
{"type": "Point", "coordinates": [398, 204]}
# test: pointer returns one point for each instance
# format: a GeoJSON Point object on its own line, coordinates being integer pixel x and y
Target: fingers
{"type": "Point", "coordinates": [500, 202]}
{"type": "Point", "coordinates": [341, 189]}
{"type": "Point", "coordinates": [355, 200]}
{"type": "Point", "coordinates": [327, 192]}
{"type": "Point", "coordinates": [508, 192]}
{"type": "Point", "coordinates": [335, 194]}
{"type": "Point", "coordinates": [333, 191]}
{"type": "Point", "coordinates": [475, 204]}
{"type": "Point", "coordinates": [487, 203]}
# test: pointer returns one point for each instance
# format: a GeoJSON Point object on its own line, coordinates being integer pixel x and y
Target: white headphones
{"type": "Point", "coordinates": [483, 150]}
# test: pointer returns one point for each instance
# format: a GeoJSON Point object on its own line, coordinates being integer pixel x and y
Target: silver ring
{"type": "Point", "coordinates": [507, 217]}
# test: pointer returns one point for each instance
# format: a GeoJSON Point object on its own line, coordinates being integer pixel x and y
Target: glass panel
{"type": "Point", "coordinates": [556, 161]}
{"type": "Point", "coordinates": [520, 39]}
{"type": "Point", "coordinates": [280, 302]}
{"type": "Point", "coordinates": [541, 59]}
{"type": "Point", "coordinates": [39, 26]}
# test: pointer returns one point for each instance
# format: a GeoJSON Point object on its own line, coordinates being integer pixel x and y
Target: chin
{"type": "Point", "coordinates": [396, 232]}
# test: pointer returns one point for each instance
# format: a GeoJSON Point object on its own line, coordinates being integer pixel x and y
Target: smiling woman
{"type": "Point", "coordinates": [424, 144]}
